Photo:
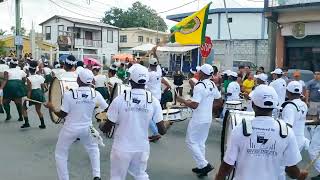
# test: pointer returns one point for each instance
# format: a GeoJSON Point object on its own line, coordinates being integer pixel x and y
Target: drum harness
{"type": "Point", "coordinates": [284, 105]}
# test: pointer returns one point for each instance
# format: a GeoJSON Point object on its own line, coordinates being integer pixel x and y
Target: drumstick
{"type": "Point", "coordinates": [311, 163]}
{"type": "Point", "coordinates": [31, 100]}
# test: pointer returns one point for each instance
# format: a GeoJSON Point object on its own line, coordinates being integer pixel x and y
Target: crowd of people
{"type": "Point", "coordinates": [266, 146]}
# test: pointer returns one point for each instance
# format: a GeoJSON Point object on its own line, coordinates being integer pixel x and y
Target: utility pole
{"type": "Point", "coordinates": [18, 28]}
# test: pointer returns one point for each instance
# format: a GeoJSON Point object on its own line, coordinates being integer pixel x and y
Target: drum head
{"type": "Point", "coordinates": [171, 111]}
{"type": "Point", "coordinates": [233, 102]}
{"type": "Point", "coordinates": [55, 97]}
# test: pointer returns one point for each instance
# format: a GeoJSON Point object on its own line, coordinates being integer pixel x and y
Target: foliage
{"type": "Point", "coordinates": [138, 15]}
{"type": "Point", "coordinates": [2, 32]}
{"type": "Point", "coordinates": [13, 29]}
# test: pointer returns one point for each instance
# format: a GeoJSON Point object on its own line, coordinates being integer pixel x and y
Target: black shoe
{"type": "Point", "coordinates": [204, 171]}
{"type": "Point", "coordinates": [25, 126]}
{"type": "Point", "coordinates": [42, 126]}
{"type": "Point", "coordinates": [196, 170]}
{"type": "Point", "coordinates": [20, 119]}
{"type": "Point", "coordinates": [96, 178]}
{"type": "Point", "coordinates": [316, 177]}
{"type": "Point", "coordinates": [8, 118]}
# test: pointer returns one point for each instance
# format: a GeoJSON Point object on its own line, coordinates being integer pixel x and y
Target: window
{"type": "Point", "coordinates": [60, 30]}
{"type": "Point", "coordinates": [110, 36]}
{"type": "Point", "coordinates": [209, 21]}
{"type": "Point", "coordinates": [158, 40]}
{"type": "Point", "coordinates": [77, 32]}
{"type": "Point", "coordinates": [88, 35]}
{"type": "Point", "coordinates": [147, 39]}
{"type": "Point", "coordinates": [140, 38]}
{"type": "Point", "coordinates": [150, 40]}
{"type": "Point", "coordinates": [48, 32]}
{"type": "Point", "coordinates": [123, 38]}
{"type": "Point", "coordinates": [229, 20]}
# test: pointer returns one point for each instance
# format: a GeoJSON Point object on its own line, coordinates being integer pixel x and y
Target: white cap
{"type": "Point", "coordinates": [277, 71]}
{"type": "Point", "coordinates": [263, 77]}
{"type": "Point", "coordinates": [86, 76]}
{"type": "Point", "coordinates": [206, 69]}
{"type": "Point", "coordinates": [113, 67]}
{"type": "Point", "coordinates": [198, 68]}
{"type": "Point", "coordinates": [265, 97]}
{"type": "Point", "coordinates": [153, 61]}
{"type": "Point", "coordinates": [233, 74]}
{"type": "Point", "coordinates": [139, 74]}
{"type": "Point", "coordinates": [294, 87]}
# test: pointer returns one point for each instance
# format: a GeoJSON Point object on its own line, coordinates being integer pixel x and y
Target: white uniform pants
{"type": "Point", "coordinates": [197, 135]}
{"type": "Point", "coordinates": [133, 162]}
{"type": "Point", "coordinates": [67, 137]}
{"type": "Point", "coordinates": [314, 148]}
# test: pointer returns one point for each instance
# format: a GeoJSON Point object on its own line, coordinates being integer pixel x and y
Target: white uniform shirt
{"type": "Point", "coordinates": [57, 72]}
{"type": "Point", "coordinates": [36, 81]}
{"type": "Point", "coordinates": [47, 71]}
{"type": "Point", "coordinates": [100, 80]}
{"type": "Point", "coordinates": [3, 67]}
{"type": "Point", "coordinates": [280, 86]}
{"type": "Point", "coordinates": [133, 120]}
{"type": "Point", "coordinates": [80, 110]}
{"type": "Point", "coordinates": [205, 97]}
{"type": "Point", "coordinates": [260, 155]}
{"type": "Point", "coordinates": [234, 90]}
{"type": "Point", "coordinates": [154, 83]}
{"type": "Point", "coordinates": [16, 74]}
{"type": "Point", "coordinates": [296, 119]}
{"type": "Point", "coordinates": [78, 69]}
{"type": "Point", "coordinates": [113, 80]}
{"type": "Point", "coordinates": [69, 74]}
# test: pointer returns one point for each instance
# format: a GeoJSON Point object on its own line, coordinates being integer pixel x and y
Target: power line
{"type": "Point", "coordinates": [74, 12]}
{"type": "Point", "coordinates": [177, 7]}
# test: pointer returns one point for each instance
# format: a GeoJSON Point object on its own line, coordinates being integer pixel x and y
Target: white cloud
{"type": "Point", "coordinates": [37, 11]}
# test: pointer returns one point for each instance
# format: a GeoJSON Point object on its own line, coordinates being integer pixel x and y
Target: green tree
{"type": "Point", "coordinates": [139, 15]}
{"type": "Point", "coordinates": [13, 30]}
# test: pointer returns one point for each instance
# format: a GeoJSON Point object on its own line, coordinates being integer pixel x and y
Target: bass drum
{"type": "Point", "coordinates": [118, 89]}
{"type": "Point", "coordinates": [231, 120]}
{"type": "Point", "coordinates": [57, 88]}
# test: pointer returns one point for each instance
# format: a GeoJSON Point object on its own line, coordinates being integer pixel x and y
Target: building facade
{"type": "Point", "coordinates": [132, 37]}
{"type": "Point", "coordinates": [295, 33]}
{"type": "Point", "coordinates": [82, 37]}
{"type": "Point", "coordinates": [247, 41]}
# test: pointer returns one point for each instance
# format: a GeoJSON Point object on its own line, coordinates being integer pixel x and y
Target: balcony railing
{"type": "Point", "coordinates": [277, 3]}
{"type": "Point", "coordinates": [87, 43]}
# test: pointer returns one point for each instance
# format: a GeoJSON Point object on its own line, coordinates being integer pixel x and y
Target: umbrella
{"type": "Point", "coordinates": [123, 57]}
{"type": "Point", "coordinates": [91, 61]}
{"type": "Point", "coordinates": [63, 57]}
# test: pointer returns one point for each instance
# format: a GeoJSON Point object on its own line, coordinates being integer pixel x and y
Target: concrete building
{"type": "Point", "coordinates": [248, 43]}
{"type": "Point", "coordinates": [78, 36]}
{"type": "Point", "coordinates": [294, 33]}
{"type": "Point", "coordinates": [132, 37]}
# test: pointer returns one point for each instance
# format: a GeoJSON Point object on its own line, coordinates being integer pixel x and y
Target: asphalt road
{"type": "Point", "coordinates": [29, 154]}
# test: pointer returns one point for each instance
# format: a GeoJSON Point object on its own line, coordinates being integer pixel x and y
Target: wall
{"type": "Point", "coordinates": [243, 26]}
{"type": "Point", "coordinates": [132, 37]}
{"type": "Point", "coordinates": [255, 51]}
{"type": "Point", "coordinates": [109, 49]}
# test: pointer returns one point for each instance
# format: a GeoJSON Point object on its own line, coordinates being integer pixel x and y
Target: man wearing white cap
{"type": "Point", "coordinates": [113, 79]}
{"type": "Point", "coordinates": [260, 147]}
{"type": "Point", "coordinates": [154, 86]}
{"type": "Point", "coordinates": [279, 84]}
{"type": "Point", "coordinates": [233, 89]}
{"type": "Point", "coordinates": [77, 108]}
{"type": "Point", "coordinates": [294, 113]}
{"type": "Point", "coordinates": [132, 112]}
{"type": "Point", "coordinates": [205, 93]}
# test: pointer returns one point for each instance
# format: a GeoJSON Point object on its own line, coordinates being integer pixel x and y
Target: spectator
{"type": "Point", "coordinates": [248, 84]}
{"type": "Point", "coordinates": [297, 77]}
{"type": "Point", "coordinates": [178, 82]}
{"type": "Point", "coordinates": [261, 70]}
{"type": "Point", "coordinates": [166, 94]}
{"type": "Point", "coordinates": [313, 96]}
{"type": "Point", "coordinates": [216, 77]}
{"type": "Point", "coordinates": [121, 72]}
{"type": "Point", "coordinates": [285, 74]}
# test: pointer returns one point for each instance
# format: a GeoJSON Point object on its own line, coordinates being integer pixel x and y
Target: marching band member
{"type": "Point", "coordinates": [259, 149]}
{"type": "Point", "coordinates": [233, 89]}
{"type": "Point", "coordinates": [77, 108]}
{"type": "Point", "coordinates": [69, 67]}
{"type": "Point", "coordinates": [3, 68]}
{"type": "Point", "coordinates": [113, 79]}
{"type": "Point", "coordinates": [279, 84]}
{"type": "Point", "coordinates": [132, 113]}
{"type": "Point", "coordinates": [47, 73]}
{"type": "Point", "coordinates": [100, 82]}
{"type": "Point", "coordinates": [13, 88]}
{"type": "Point", "coordinates": [35, 87]}
{"type": "Point", "coordinates": [204, 94]}
{"type": "Point", "coordinates": [79, 66]}
{"type": "Point", "coordinates": [294, 113]}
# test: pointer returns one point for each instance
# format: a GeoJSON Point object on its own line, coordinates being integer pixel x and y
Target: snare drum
{"type": "Point", "coordinates": [173, 115]}
{"type": "Point", "coordinates": [119, 89]}
{"type": "Point", "coordinates": [57, 88]}
{"type": "Point", "coordinates": [233, 105]}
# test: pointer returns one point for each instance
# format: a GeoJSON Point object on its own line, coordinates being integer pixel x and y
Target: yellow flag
{"type": "Point", "coordinates": [192, 29]}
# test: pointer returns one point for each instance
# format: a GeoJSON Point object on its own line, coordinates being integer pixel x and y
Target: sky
{"type": "Point", "coordinates": [37, 11]}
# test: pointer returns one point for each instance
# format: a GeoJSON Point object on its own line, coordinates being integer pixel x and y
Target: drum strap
{"type": "Point", "coordinates": [75, 93]}
{"type": "Point", "coordinates": [246, 127]}
{"type": "Point", "coordinates": [283, 129]}
{"type": "Point", "coordinates": [149, 96]}
{"type": "Point", "coordinates": [127, 96]}
{"type": "Point", "coordinates": [93, 93]}
{"type": "Point", "coordinates": [289, 102]}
